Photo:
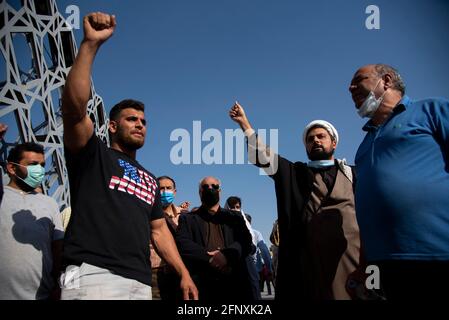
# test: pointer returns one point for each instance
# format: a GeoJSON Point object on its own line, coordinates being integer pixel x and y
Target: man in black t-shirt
{"type": "Point", "coordinates": [116, 206]}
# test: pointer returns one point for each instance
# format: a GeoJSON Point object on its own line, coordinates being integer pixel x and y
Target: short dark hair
{"type": "Point", "coordinates": [16, 153]}
{"type": "Point", "coordinates": [168, 178]}
{"type": "Point", "coordinates": [233, 200]}
{"type": "Point", "coordinates": [398, 83]}
{"type": "Point", "coordinates": [125, 104]}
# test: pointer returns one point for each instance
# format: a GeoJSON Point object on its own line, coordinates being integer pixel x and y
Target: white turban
{"type": "Point", "coordinates": [323, 124]}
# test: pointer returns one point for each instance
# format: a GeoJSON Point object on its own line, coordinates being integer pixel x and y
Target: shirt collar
{"type": "Point", "coordinates": [402, 105]}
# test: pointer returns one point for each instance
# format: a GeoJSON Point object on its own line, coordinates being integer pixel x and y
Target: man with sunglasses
{"type": "Point", "coordinates": [214, 243]}
{"type": "Point", "coordinates": [320, 247]}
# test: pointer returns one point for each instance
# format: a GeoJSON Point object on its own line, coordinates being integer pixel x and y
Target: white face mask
{"type": "Point", "coordinates": [371, 104]}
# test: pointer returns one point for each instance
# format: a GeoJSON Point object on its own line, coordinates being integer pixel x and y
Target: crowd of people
{"type": "Point", "coordinates": [124, 237]}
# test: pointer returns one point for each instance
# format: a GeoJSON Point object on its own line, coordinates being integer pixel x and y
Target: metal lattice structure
{"type": "Point", "coordinates": [38, 48]}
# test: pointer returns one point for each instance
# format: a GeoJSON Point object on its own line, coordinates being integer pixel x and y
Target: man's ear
{"type": "Point", "coordinates": [10, 169]}
{"type": "Point", "coordinates": [388, 81]}
{"type": "Point", "coordinates": [112, 126]}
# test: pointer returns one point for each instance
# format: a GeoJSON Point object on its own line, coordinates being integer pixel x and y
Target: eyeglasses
{"type": "Point", "coordinates": [213, 186]}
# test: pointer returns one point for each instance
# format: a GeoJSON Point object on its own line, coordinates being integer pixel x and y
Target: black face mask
{"type": "Point", "coordinates": [210, 197]}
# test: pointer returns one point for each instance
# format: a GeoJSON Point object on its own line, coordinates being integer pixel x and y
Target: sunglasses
{"type": "Point", "coordinates": [213, 186]}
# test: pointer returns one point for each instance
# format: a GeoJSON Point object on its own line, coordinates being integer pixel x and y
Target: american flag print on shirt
{"type": "Point", "coordinates": [135, 182]}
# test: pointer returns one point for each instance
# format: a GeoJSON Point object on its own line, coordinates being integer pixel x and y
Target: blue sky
{"type": "Point", "coordinates": [287, 62]}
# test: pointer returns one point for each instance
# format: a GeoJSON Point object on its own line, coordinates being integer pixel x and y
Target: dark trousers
{"type": "Point", "coordinates": [413, 280]}
{"type": "Point", "coordinates": [253, 277]}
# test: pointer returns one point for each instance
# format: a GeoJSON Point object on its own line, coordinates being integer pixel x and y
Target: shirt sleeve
{"type": "Point", "coordinates": [260, 154]}
{"type": "Point", "coordinates": [156, 211]}
{"type": "Point", "coordinates": [76, 162]}
{"type": "Point", "coordinates": [258, 236]}
{"type": "Point", "coordinates": [441, 124]}
{"type": "Point", "coordinates": [86, 153]}
{"type": "Point", "coordinates": [265, 252]}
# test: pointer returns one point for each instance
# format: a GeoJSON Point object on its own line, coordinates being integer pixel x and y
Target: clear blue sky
{"type": "Point", "coordinates": [287, 62]}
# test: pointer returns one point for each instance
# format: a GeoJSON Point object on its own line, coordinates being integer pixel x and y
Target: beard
{"type": "Point", "coordinates": [131, 144]}
{"type": "Point", "coordinates": [127, 141]}
{"type": "Point", "coordinates": [18, 179]}
{"type": "Point", "coordinates": [320, 154]}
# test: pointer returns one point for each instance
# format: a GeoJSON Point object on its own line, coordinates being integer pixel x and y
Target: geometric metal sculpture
{"type": "Point", "coordinates": [37, 50]}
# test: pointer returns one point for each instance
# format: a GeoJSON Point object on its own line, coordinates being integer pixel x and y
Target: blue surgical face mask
{"type": "Point", "coordinates": [35, 175]}
{"type": "Point", "coordinates": [371, 104]}
{"type": "Point", "coordinates": [167, 197]}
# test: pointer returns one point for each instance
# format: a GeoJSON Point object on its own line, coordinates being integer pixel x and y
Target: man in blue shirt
{"type": "Point", "coordinates": [402, 192]}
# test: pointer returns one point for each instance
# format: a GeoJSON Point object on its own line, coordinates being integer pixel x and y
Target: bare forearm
{"type": "Point", "coordinates": [166, 247]}
{"type": "Point", "coordinates": [78, 128]}
{"type": "Point", "coordinates": [245, 125]}
{"type": "Point", "coordinates": [77, 89]}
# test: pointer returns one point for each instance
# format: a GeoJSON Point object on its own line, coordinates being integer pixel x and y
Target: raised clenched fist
{"type": "Point", "coordinates": [98, 27]}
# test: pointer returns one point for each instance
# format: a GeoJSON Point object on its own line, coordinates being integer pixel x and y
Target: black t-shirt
{"type": "Point", "coordinates": [113, 201]}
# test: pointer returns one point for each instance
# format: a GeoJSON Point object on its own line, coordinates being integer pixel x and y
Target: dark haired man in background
{"type": "Point", "coordinates": [31, 229]}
